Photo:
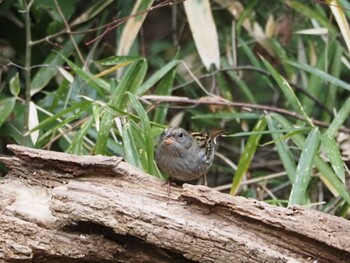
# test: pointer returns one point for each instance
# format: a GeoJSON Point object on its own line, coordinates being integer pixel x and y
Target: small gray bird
{"type": "Point", "coordinates": [186, 156]}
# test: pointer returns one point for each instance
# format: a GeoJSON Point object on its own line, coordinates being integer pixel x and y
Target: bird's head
{"type": "Point", "coordinates": [177, 138]}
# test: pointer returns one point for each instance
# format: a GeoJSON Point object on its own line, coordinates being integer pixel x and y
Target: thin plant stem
{"type": "Point", "coordinates": [69, 32]}
{"type": "Point", "coordinates": [27, 67]}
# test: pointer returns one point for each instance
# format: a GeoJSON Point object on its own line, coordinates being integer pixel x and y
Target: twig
{"type": "Point", "coordinates": [222, 102]}
{"type": "Point", "coordinates": [69, 31]}
{"type": "Point", "coordinates": [109, 26]}
{"type": "Point", "coordinates": [266, 73]}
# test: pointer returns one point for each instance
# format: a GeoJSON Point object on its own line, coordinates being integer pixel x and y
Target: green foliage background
{"type": "Point", "coordinates": [283, 101]}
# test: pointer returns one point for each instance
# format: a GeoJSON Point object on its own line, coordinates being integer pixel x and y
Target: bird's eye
{"type": "Point", "coordinates": [181, 135]}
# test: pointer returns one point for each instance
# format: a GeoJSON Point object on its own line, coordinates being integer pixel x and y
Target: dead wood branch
{"type": "Point", "coordinates": [56, 207]}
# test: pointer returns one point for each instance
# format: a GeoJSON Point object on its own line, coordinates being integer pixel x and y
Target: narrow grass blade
{"type": "Point", "coordinates": [76, 146]}
{"type": "Point", "coordinates": [321, 74]}
{"type": "Point", "coordinates": [130, 81]}
{"type": "Point", "coordinates": [339, 119]}
{"type": "Point", "coordinates": [228, 116]}
{"type": "Point", "coordinates": [312, 13]}
{"type": "Point", "coordinates": [283, 151]}
{"type": "Point", "coordinates": [304, 168]}
{"type": "Point", "coordinates": [314, 83]}
{"type": "Point", "coordinates": [164, 88]}
{"type": "Point", "coordinates": [157, 76]}
{"type": "Point", "coordinates": [101, 86]}
{"type": "Point", "coordinates": [288, 135]}
{"type": "Point", "coordinates": [331, 148]}
{"type": "Point", "coordinates": [81, 106]}
{"type": "Point", "coordinates": [287, 90]}
{"type": "Point", "coordinates": [327, 176]}
{"type": "Point", "coordinates": [118, 60]}
{"type": "Point", "coordinates": [293, 131]}
{"type": "Point", "coordinates": [59, 125]}
{"type": "Point", "coordinates": [131, 154]}
{"type": "Point", "coordinates": [146, 134]}
{"type": "Point", "coordinates": [247, 155]}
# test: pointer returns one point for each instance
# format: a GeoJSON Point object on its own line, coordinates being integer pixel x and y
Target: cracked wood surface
{"type": "Point", "coordinates": [56, 207]}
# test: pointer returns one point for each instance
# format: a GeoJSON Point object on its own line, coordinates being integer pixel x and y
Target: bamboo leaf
{"type": "Point", "coordinates": [339, 118]}
{"type": "Point", "coordinates": [287, 90]}
{"type": "Point", "coordinates": [33, 121]}
{"type": "Point", "coordinates": [131, 154]}
{"type": "Point", "coordinates": [14, 85]}
{"type": "Point", "coordinates": [157, 76]}
{"type": "Point", "coordinates": [6, 107]}
{"type": "Point", "coordinates": [76, 146]}
{"type": "Point", "coordinates": [283, 151]}
{"type": "Point", "coordinates": [199, 16]}
{"type": "Point", "coordinates": [54, 60]}
{"type": "Point", "coordinates": [321, 74]}
{"type": "Point", "coordinates": [133, 26]}
{"type": "Point", "coordinates": [164, 88]}
{"type": "Point", "coordinates": [146, 134]}
{"type": "Point", "coordinates": [228, 116]}
{"type": "Point", "coordinates": [304, 168]}
{"type": "Point", "coordinates": [327, 176]}
{"type": "Point", "coordinates": [247, 155]}
{"type": "Point", "coordinates": [341, 20]}
{"type": "Point", "coordinates": [130, 82]}
{"type": "Point", "coordinates": [331, 148]}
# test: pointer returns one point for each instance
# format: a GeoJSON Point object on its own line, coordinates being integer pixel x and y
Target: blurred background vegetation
{"type": "Point", "coordinates": [106, 77]}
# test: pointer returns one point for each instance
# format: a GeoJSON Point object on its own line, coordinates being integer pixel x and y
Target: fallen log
{"type": "Point", "coordinates": [57, 207]}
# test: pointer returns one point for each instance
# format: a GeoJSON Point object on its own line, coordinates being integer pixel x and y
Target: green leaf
{"type": "Point", "coordinates": [288, 135]}
{"type": "Point", "coordinates": [335, 70]}
{"type": "Point", "coordinates": [6, 107]}
{"type": "Point", "coordinates": [247, 155]}
{"type": "Point", "coordinates": [331, 147]}
{"type": "Point", "coordinates": [314, 85]}
{"type": "Point", "coordinates": [339, 119]}
{"type": "Point", "coordinates": [164, 88]}
{"type": "Point", "coordinates": [101, 86]}
{"type": "Point", "coordinates": [287, 90]}
{"type": "Point", "coordinates": [14, 85]}
{"type": "Point", "coordinates": [312, 13]}
{"type": "Point", "coordinates": [327, 176]}
{"type": "Point", "coordinates": [321, 74]}
{"type": "Point", "coordinates": [131, 155]}
{"type": "Point", "coordinates": [146, 134]}
{"type": "Point", "coordinates": [304, 169]}
{"type": "Point", "coordinates": [81, 106]}
{"type": "Point", "coordinates": [117, 60]}
{"type": "Point", "coordinates": [130, 82]}
{"type": "Point", "coordinates": [293, 131]}
{"type": "Point", "coordinates": [160, 74]}
{"type": "Point", "coordinates": [228, 116]}
{"type": "Point", "coordinates": [76, 146]}
{"type": "Point", "coordinates": [45, 74]}
{"type": "Point", "coordinates": [59, 125]}
{"type": "Point", "coordinates": [283, 151]}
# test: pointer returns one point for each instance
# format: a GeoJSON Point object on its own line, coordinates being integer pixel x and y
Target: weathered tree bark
{"type": "Point", "coordinates": [56, 207]}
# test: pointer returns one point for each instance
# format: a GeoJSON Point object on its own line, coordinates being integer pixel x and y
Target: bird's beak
{"type": "Point", "coordinates": [169, 140]}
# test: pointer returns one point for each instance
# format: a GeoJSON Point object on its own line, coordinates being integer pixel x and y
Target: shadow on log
{"type": "Point", "coordinates": [57, 207]}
